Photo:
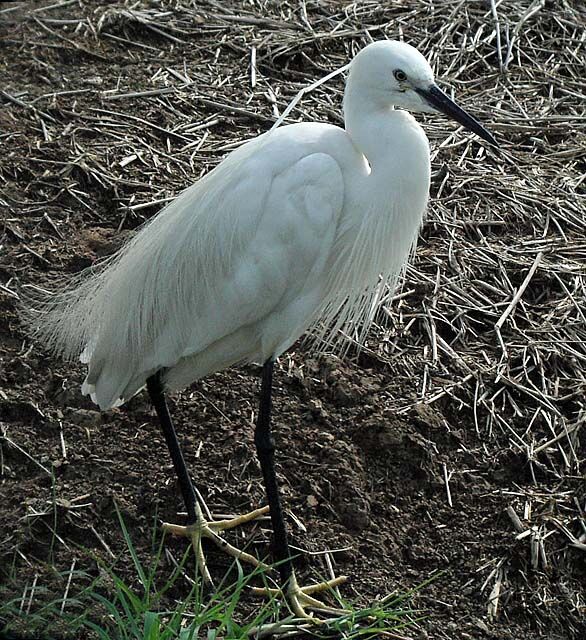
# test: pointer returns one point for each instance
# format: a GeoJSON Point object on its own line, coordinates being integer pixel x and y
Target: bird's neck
{"type": "Point", "coordinates": [370, 125]}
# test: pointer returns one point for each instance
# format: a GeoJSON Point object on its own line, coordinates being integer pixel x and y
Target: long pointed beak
{"type": "Point", "coordinates": [434, 96]}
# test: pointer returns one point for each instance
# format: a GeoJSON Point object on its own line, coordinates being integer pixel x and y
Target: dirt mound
{"type": "Point", "coordinates": [453, 442]}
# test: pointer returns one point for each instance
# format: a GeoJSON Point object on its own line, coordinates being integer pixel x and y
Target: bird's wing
{"type": "Point", "coordinates": [231, 253]}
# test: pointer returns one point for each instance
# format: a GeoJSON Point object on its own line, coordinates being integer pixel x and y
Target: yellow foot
{"type": "Point", "coordinates": [300, 598]}
{"type": "Point", "coordinates": [202, 529]}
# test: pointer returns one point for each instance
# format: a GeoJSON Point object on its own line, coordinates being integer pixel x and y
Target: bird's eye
{"type": "Point", "coordinates": [401, 76]}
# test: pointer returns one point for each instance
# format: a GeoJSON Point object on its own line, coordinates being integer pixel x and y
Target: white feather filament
{"type": "Point", "coordinates": [363, 271]}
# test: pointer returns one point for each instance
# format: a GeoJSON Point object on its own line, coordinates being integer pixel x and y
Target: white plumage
{"type": "Point", "coordinates": [300, 227]}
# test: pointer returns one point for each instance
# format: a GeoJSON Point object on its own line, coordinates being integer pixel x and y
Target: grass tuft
{"type": "Point", "coordinates": [110, 607]}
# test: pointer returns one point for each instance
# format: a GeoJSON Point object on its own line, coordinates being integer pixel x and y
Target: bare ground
{"type": "Point", "coordinates": [452, 443]}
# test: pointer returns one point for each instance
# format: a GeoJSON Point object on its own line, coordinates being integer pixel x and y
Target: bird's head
{"type": "Point", "coordinates": [394, 73]}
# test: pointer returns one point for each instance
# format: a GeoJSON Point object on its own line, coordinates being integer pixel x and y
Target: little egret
{"type": "Point", "coordinates": [299, 228]}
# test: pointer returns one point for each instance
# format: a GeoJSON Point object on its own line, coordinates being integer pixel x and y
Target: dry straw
{"type": "Point", "coordinates": [489, 326]}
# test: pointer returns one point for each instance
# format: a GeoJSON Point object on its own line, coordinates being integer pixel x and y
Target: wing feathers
{"type": "Point", "coordinates": [230, 251]}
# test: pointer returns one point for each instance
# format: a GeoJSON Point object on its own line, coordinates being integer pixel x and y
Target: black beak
{"type": "Point", "coordinates": [434, 96]}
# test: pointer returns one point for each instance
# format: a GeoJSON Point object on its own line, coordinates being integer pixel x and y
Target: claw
{"type": "Point", "coordinates": [300, 598]}
{"type": "Point", "coordinates": [201, 529]}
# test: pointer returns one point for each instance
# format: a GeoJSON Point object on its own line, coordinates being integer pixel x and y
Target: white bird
{"type": "Point", "coordinates": [300, 228]}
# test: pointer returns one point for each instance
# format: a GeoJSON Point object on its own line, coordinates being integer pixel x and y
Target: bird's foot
{"type": "Point", "coordinates": [301, 598]}
{"type": "Point", "coordinates": [201, 529]}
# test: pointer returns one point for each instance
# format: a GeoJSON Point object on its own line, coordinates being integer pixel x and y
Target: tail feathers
{"type": "Point", "coordinates": [90, 390]}
{"type": "Point", "coordinates": [109, 385]}
{"type": "Point", "coordinates": [85, 357]}
{"type": "Point", "coordinates": [105, 383]}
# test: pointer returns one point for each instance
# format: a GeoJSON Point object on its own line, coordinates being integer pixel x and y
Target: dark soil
{"type": "Point", "coordinates": [362, 454]}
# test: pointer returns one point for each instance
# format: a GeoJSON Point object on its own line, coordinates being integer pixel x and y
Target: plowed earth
{"type": "Point", "coordinates": [363, 454]}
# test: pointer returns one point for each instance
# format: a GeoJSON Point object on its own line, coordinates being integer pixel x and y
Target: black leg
{"type": "Point", "coordinates": [265, 448]}
{"type": "Point", "coordinates": [156, 392]}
